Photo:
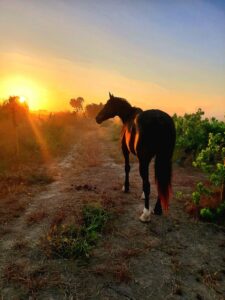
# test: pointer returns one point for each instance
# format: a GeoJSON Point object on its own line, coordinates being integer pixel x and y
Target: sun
{"type": "Point", "coordinates": [28, 90]}
{"type": "Point", "coordinates": [22, 99]}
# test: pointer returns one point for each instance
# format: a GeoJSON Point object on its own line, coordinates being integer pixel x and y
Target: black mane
{"type": "Point", "coordinates": [127, 112]}
{"type": "Point", "coordinates": [122, 100]}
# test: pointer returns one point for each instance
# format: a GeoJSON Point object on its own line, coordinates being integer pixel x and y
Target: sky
{"type": "Point", "coordinates": [166, 54]}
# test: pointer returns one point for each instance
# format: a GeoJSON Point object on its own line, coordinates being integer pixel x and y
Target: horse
{"type": "Point", "coordinates": [146, 134]}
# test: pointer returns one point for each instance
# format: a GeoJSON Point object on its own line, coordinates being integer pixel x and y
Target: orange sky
{"type": "Point", "coordinates": [52, 56]}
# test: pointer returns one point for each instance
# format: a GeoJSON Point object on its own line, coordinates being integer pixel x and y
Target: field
{"type": "Point", "coordinates": [69, 232]}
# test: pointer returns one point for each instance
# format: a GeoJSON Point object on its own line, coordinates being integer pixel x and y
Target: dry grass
{"type": "Point", "coordinates": [129, 253]}
{"type": "Point", "coordinates": [5, 229]}
{"type": "Point", "coordinates": [119, 270]}
{"type": "Point", "coordinates": [36, 216]}
{"type": "Point", "coordinates": [12, 184]}
{"type": "Point", "coordinates": [58, 217]}
{"type": "Point", "coordinates": [20, 245]}
{"type": "Point", "coordinates": [210, 279]}
{"type": "Point", "coordinates": [30, 280]}
{"type": "Point", "coordinates": [12, 207]}
{"type": "Point", "coordinates": [177, 288]}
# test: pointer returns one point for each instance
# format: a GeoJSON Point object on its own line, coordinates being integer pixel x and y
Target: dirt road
{"type": "Point", "coordinates": [172, 257]}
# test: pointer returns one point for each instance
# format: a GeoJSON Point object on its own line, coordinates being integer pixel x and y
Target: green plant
{"type": "Point", "coordinates": [179, 195]}
{"type": "Point", "coordinates": [211, 161]}
{"type": "Point", "coordinates": [70, 241]}
{"type": "Point", "coordinates": [200, 190]}
{"type": "Point", "coordinates": [209, 214]}
{"type": "Point", "coordinates": [193, 134]}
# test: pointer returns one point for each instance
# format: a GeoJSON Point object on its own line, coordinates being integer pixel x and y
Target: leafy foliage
{"type": "Point", "coordinates": [202, 142]}
{"type": "Point", "coordinates": [77, 104]}
{"type": "Point", "coordinates": [193, 133]}
{"type": "Point", "coordinates": [211, 161]}
{"type": "Point", "coordinates": [213, 215]}
{"type": "Point", "coordinates": [211, 158]}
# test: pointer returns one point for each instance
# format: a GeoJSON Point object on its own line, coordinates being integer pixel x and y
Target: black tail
{"type": "Point", "coordinates": [163, 174]}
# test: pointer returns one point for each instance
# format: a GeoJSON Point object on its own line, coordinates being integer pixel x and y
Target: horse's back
{"type": "Point", "coordinates": [156, 130]}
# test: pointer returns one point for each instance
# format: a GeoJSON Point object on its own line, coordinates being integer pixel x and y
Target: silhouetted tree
{"type": "Point", "coordinates": [17, 111]}
{"type": "Point", "coordinates": [77, 104]}
{"type": "Point", "coordinates": [13, 107]}
{"type": "Point", "coordinates": [92, 109]}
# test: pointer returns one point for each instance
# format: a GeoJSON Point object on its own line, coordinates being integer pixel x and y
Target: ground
{"type": "Point", "coordinates": [173, 257]}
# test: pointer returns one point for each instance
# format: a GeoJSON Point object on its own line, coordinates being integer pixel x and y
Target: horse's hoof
{"type": "Point", "coordinates": [158, 211]}
{"type": "Point", "coordinates": [143, 196]}
{"type": "Point", "coordinates": [146, 216]}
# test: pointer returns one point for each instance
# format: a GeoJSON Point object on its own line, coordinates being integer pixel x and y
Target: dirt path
{"type": "Point", "coordinates": [172, 257]}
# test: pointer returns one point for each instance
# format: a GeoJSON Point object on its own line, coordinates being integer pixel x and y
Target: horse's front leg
{"type": "Point", "coordinates": [126, 153]}
{"type": "Point", "coordinates": [144, 172]}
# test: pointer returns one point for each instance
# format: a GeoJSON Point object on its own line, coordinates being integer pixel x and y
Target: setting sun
{"type": "Point", "coordinates": [22, 99]}
{"type": "Point", "coordinates": [28, 91]}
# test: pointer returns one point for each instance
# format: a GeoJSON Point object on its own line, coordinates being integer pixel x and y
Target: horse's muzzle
{"type": "Point", "coordinates": [97, 119]}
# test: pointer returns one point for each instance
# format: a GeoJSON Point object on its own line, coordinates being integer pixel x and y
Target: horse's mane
{"type": "Point", "coordinates": [122, 100]}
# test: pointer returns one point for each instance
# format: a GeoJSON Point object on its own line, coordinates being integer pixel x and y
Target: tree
{"type": "Point", "coordinates": [77, 104]}
{"type": "Point", "coordinates": [93, 109]}
{"type": "Point", "coordinates": [17, 111]}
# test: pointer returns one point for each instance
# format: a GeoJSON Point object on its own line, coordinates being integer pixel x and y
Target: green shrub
{"type": "Point", "coordinates": [212, 215]}
{"type": "Point", "coordinates": [70, 241]}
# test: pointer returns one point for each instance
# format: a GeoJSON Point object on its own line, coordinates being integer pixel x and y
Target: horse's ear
{"type": "Point", "coordinates": [111, 95]}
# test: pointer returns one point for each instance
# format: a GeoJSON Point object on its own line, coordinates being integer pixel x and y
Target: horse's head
{"type": "Point", "coordinates": [108, 111]}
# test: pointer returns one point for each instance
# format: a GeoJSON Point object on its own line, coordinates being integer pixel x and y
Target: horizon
{"type": "Point", "coordinates": [161, 55]}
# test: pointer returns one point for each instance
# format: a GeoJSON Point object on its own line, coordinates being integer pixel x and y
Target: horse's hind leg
{"type": "Point", "coordinates": [144, 172]}
{"type": "Point", "coordinates": [158, 207]}
{"type": "Point", "coordinates": [127, 169]}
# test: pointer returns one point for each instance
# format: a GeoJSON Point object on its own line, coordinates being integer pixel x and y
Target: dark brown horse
{"type": "Point", "coordinates": [146, 134]}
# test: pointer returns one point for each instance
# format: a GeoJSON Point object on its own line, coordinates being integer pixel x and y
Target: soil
{"type": "Point", "coordinates": [173, 257]}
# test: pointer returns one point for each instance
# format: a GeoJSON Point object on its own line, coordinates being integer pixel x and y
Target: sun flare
{"type": "Point", "coordinates": [22, 99]}
{"type": "Point", "coordinates": [26, 89]}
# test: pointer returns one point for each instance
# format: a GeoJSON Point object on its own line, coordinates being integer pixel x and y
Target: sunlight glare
{"type": "Point", "coordinates": [27, 88]}
{"type": "Point", "coordinates": [22, 99]}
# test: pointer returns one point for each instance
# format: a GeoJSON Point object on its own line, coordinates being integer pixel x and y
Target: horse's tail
{"type": "Point", "coordinates": [163, 174]}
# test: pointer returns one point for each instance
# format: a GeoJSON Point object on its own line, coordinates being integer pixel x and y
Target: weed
{"type": "Point", "coordinates": [179, 195]}
{"type": "Point", "coordinates": [71, 241]}
{"type": "Point", "coordinates": [94, 218]}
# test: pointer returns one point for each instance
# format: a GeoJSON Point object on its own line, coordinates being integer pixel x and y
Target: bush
{"type": "Point", "coordinates": [70, 241]}
{"type": "Point", "coordinates": [193, 134]}
{"type": "Point", "coordinates": [211, 161]}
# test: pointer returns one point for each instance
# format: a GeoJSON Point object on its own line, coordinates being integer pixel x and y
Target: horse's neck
{"type": "Point", "coordinates": [128, 114]}
{"type": "Point", "coordinates": [130, 122]}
